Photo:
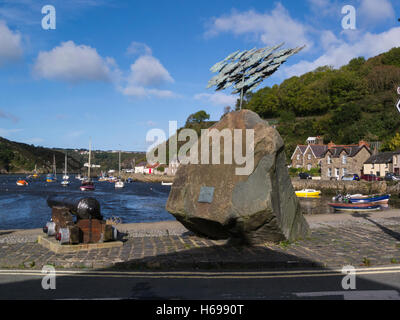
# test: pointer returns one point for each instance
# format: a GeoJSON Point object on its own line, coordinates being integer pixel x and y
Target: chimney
{"type": "Point", "coordinates": [363, 143]}
{"type": "Point", "coordinates": [331, 145]}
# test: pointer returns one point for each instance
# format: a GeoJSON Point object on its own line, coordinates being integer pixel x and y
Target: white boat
{"type": "Point", "coordinates": [119, 184]}
{"type": "Point", "coordinates": [87, 184]}
{"type": "Point", "coordinates": [65, 181]}
{"type": "Point", "coordinates": [166, 183]}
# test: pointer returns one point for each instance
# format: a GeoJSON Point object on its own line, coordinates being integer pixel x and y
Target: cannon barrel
{"type": "Point", "coordinates": [83, 208]}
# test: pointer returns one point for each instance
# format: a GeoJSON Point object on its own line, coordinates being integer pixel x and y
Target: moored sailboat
{"type": "Point", "coordinates": [87, 184]}
{"type": "Point", "coordinates": [65, 181]}
{"type": "Point", "coordinates": [52, 177]}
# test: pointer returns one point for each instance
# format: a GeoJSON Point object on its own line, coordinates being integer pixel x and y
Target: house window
{"type": "Point", "coordinates": [386, 165]}
{"type": "Point", "coordinates": [329, 160]}
{"type": "Point", "coordinates": [344, 159]}
{"type": "Point", "coordinates": [309, 167]}
{"type": "Point", "coordinates": [329, 172]}
{"type": "Point", "coordinates": [344, 171]}
{"type": "Point", "coordinates": [309, 157]}
{"type": "Point", "coordinates": [298, 157]}
{"type": "Point", "coordinates": [373, 166]}
{"type": "Point", "coordinates": [337, 172]}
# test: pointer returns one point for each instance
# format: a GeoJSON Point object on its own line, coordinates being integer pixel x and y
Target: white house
{"type": "Point", "coordinates": [140, 167]}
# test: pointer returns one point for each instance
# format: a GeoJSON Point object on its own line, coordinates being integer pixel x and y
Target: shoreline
{"type": "Point", "coordinates": [173, 227]}
{"type": "Point", "coordinates": [140, 177]}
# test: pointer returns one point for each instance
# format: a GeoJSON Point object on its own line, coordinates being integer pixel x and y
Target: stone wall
{"type": "Point", "coordinates": [354, 187]}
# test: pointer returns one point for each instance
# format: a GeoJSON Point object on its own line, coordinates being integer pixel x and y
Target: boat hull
{"type": "Point", "coordinates": [355, 207]}
{"type": "Point", "coordinates": [86, 188]}
{"type": "Point", "coordinates": [378, 199]}
{"type": "Point", "coordinates": [308, 194]}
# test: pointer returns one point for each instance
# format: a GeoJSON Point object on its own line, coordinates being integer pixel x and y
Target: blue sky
{"type": "Point", "coordinates": [113, 70]}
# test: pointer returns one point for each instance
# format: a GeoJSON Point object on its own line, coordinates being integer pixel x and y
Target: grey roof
{"type": "Point", "coordinates": [384, 157]}
{"type": "Point", "coordinates": [351, 150]}
{"type": "Point", "coordinates": [319, 150]}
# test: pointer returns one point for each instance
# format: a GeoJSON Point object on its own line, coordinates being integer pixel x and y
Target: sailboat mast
{"type": "Point", "coordinates": [65, 171]}
{"type": "Point", "coordinates": [90, 152]}
{"type": "Point", "coordinates": [119, 164]}
{"type": "Point", "coordinates": [54, 165]}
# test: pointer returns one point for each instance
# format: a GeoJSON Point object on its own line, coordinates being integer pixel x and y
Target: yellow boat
{"type": "Point", "coordinates": [308, 193]}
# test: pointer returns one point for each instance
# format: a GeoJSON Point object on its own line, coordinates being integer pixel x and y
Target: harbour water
{"type": "Point", "coordinates": [25, 207]}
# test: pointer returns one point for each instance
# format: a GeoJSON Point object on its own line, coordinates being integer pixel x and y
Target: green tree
{"type": "Point", "coordinates": [197, 117]}
{"type": "Point", "coordinates": [394, 143]}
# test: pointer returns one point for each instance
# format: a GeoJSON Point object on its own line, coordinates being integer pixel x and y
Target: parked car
{"type": "Point", "coordinates": [305, 175]}
{"type": "Point", "coordinates": [351, 177]}
{"type": "Point", "coordinates": [370, 177]}
{"type": "Point", "coordinates": [390, 176]}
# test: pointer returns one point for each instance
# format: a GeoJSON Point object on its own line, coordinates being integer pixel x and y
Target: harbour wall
{"type": "Point", "coordinates": [333, 187]}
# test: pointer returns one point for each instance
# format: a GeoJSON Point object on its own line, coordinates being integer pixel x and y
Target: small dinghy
{"type": "Point", "coordinates": [380, 199]}
{"type": "Point", "coordinates": [308, 193]}
{"type": "Point", "coordinates": [355, 207]}
{"type": "Point", "coordinates": [119, 184]}
{"type": "Point", "coordinates": [22, 182]}
{"type": "Point", "coordinates": [87, 186]}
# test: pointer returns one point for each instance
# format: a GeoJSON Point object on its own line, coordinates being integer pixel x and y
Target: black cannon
{"type": "Point", "coordinates": [82, 208]}
{"type": "Point", "coordinates": [78, 220]}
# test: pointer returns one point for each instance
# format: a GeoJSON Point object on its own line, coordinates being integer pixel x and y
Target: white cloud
{"type": "Point", "coordinates": [146, 75]}
{"type": "Point", "coordinates": [341, 52]}
{"type": "Point", "coordinates": [148, 71]}
{"type": "Point", "coordinates": [142, 92]}
{"type": "Point", "coordinates": [376, 10]}
{"type": "Point", "coordinates": [139, 48]}
{"type": "Point", "coordinates": [74, 63]}
{"type": "Point", "coordinates": [217, 99]}
{"type": "Point", "coordinates": [10, 45]}
{"type": "Point", "coordinates": [269, 28]}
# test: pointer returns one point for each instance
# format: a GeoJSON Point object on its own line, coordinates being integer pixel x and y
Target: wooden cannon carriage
{"type": "Point", "coordinates": [76, 220]}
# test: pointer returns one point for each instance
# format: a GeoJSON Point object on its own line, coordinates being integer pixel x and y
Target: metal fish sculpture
{"type": "Point", "coordinates": [245, 70]}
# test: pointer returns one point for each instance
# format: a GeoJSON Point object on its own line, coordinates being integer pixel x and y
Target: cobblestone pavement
{"type": "Point", "coordinates": [371, 243]}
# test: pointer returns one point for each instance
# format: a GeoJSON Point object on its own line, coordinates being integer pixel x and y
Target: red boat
{"type": "Point", "coordinates": [87, 186]}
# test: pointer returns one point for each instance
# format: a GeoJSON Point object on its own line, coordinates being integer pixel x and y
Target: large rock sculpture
{"type": "Point", "coordinates": [212, 200]}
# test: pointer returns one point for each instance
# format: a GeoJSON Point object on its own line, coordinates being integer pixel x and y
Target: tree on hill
{"type": "Point", "coordinates": [197, 117]}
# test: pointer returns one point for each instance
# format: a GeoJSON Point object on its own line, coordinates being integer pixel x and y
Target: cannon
{"type": "Point", "coordinates": [77, 220]}
{"type": "Point", "coordinates": [82, 208]}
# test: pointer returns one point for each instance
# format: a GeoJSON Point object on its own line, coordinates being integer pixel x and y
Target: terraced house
{"type": "Point", "coordinates": [339, 160]}
{"type": "Point", "coordinates": [310, 155]}
{"type": "Point", "coordinates": [383, 163]}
